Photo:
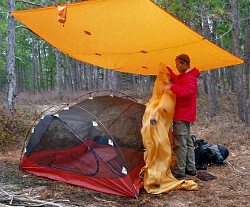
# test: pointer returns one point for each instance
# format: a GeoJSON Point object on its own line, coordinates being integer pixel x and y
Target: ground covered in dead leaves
{"type": "Point", "coordinates": [231, 188]}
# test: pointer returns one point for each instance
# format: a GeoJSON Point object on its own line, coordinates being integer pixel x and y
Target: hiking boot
{"type": "Point", "coordinates": [178, 176]}
{"type": "Point", "coordinates": [193, 172]}
{"type": "Point", "coordinates": [201, 167]}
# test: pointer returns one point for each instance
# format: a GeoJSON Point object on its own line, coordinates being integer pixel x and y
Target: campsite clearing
{"type": "Point", "coordinates": [231, 188]}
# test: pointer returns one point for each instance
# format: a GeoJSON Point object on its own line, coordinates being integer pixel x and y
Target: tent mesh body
{"type": "Point", "coordinates": [95, 144]}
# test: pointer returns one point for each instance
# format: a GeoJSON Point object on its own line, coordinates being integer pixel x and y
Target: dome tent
{"type": "Point", "coordinates": [92, 144]}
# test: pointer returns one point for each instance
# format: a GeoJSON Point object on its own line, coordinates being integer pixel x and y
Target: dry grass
{"type": "Point", "coordinates": [231, 188]}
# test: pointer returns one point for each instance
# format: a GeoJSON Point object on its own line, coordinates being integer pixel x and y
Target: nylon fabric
{"type": "Point", "coordinates": [158, 141]}
{"type": "Point", "coordinates": [121, 187]}
{"type": "Point", "coordinates": [131, 36]}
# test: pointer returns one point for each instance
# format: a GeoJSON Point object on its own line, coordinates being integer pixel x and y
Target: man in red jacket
{"type": "Point", "coordinates": [184, 86]}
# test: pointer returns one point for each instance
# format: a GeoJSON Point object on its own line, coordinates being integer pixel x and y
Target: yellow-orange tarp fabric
{"type": "Point", "coordinates": [157, 139]}
{"type": "Point", "coordinates": [131, 36]}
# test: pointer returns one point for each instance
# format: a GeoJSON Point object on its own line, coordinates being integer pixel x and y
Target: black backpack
{"type": "Point", "coordinates": [209, 154]}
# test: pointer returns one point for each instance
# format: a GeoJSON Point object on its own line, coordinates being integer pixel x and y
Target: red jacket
{"type": "Point", "coordinates": [184, 86]}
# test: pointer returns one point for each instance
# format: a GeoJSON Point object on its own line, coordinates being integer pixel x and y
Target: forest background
{"type": "Point", "coordinates": [31, 66]}
{"type": "Point", "coordinates": [35, 76]}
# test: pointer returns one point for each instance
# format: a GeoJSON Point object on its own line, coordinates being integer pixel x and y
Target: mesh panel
{"type": "Point", "coordinates": [122, 117]}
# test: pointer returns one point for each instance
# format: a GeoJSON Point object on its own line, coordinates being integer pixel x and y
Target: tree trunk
{"type": "Point", "coordinates": [229, 79]}
{"type": "Point", "coordinates": [51, 76]}
{"type": "Point", "coordinates": [41, 82]}
{"type": "Point", "coordinates": [241, 98]}
{"type": "Point", "coordinates": [212, 96]}
{"type": "Point", "coordinates": [65, 75]}
{"type": "Point", "coordinates": [1, 77]}
{"type": "Point", "coordinates": [105, 78]}
{"type": "Point", "coordinates": [205, 84]}
{"type": "Point", "coordinates": [1, 81]}
{"type": "Point", "coordinates": [133, 81]}
{"type": "Point", "coordinates": [78, 64]}
{"type": "Point", "coordinates": [119, 81]}
{"type": "Point", "coordinates": [142, 82]}
{"type": "Point", "coordinates": [18, 85]}
{"type": "Point", "coordinates": [25, 74]}
{"type": "Point", "coordinates": [76, 75]}
{"type": "Point", "coordinates": [223, 86]}
{"type": "Point", "coordinates": [91, 81]}
{"type": "Point", "coordinates": [21, 79]}
{"type": "Point", "coordinates": [81, 74]}
{"type": "Point", "coordinates": [148, 83]}
{"type": "Point", "coordinates": [222, 71]}
{"type": "Point", "coordinates": [96, 78]}
{"type": "Point", "coordinates": [217, 80]}
{"type": "Point", "coordinates": [45, 83]}
{"type": "Point", "coordinates": [11, 76]}
{"type": "Point", "coordinates": [70, 85]}
{"type": "Point", "coordinates": [247, 56]}
{"type": "Point", "coordinates": [86, 80]}
{"type": "Point", "coordinates": [114, 80]}
{"type": "Point", "coordinates": [33, 72]}
{"type": "Point", "coordinates": [59, 82]}
{"type": "Point", "coordinates": [109, 79]}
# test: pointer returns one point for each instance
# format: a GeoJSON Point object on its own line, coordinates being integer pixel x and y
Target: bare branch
{"type": "Point", "coordinates": [224, 34]}
{"type": "Point", "coordinates": [21, 26]}
{"type": "Point", "coordinates": [11, 198]}
{"type": "Point", "coordinates": [19, 58]}
{"type": "Point", "coordinates": [27, 2]}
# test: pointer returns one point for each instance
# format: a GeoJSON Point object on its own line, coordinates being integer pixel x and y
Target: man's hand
{"type": "Point", "coordinates": [168, 69]}
{"type": "Point", "coordinates": [166, 88]}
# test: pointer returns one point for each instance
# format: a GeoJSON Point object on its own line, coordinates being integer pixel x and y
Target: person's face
{"type": "Point", "coordinates": [181, 67]}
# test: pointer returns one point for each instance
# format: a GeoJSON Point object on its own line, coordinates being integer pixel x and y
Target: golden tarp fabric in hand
{"type": "Point", "coordinates": [131, 36]}
{"type": "Point", "coordinates": [157, 139]}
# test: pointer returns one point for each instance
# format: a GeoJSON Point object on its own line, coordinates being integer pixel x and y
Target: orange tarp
{"type": "Point", "coordinates": [131, 36]}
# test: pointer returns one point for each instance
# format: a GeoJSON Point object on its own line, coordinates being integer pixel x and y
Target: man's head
{"type": "Point", "coordinates": [182, 62]}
